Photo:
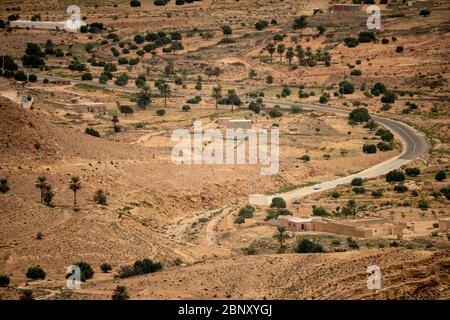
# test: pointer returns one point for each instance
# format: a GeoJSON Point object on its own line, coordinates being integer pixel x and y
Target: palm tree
{"type": "Point", "coordinates": [40, 184]}
{"type": "Point", "coordinates": [48, 194]}
{"type": "Point", "coordinates": [164, 89]}
{"type": "Point", "coordinates": [75, 185]}
{"type": "Point", "coordinates": [290, 55]}
{"type": "Point", "coordinates": [217, 94]}
{"type": "Point", "coordinates": [271, 49]}
{"type": "Point", "coordinates": [4, 185]}
{"type": "Point", "coordinates": [299, 53]}
{"type": "Point", "coordinates": [120, 293]}
{"type": "Point", "coordinates": [280, 50]}
{"type": "Point", "coordinates": [26, 295]}
{"type": "Point", "coordinates": [280, 235]}
{"type": "Point", "coordinates": [115, 121]}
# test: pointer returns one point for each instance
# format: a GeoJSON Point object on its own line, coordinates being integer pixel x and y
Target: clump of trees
{"type": "Point", "coordinates": [308, 246]}
{"type": "Point", "coordinates": [245, 213]}
{"type": "Point", "coordinates": [385, 134]}
{"type": "Point", "coordinates": [412, 172]}
{"type": "Point", "coordinates": [140, 267]}
{"type": "Point", "coordinates": [320, 212]}
{"type": "Point", "coordinates": [395, 176]}
{"type": "Point", "coordinates": [277, 208]}
{"type": "Point", "coordinates": [359, 115]}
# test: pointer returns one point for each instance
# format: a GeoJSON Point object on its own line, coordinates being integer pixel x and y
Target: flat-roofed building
{"type": "Point", "coordinates": [343, 7]}
{"type": "Point", "coordinates": [46, 25]}
{"type": "Point", "coordinates": [240, 124]}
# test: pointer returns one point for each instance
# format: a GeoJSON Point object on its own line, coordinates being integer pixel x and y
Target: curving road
{"type": "Point", "coordinates": [414, 143]}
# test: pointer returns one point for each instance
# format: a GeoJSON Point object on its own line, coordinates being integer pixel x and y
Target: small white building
{"type": "Point", "coordinates": [234, 124]}
{"type": "Point", "coordinates": [68, 25]}
{"type": "Point", "coordinates": [47, 25]}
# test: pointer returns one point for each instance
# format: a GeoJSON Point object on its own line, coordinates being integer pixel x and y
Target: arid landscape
{"type": "Point", "coordinates": [87, 171]}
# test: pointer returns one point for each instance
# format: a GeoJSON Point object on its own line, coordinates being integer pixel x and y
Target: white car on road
{"type": "Point", "coordinates": [317, 187]}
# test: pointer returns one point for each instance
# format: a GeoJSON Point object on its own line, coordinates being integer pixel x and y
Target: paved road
{"type": "Point", "coordinates": [414, 143]}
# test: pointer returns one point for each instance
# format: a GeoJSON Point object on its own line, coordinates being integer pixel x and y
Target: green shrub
{"type": "Point", "coordinates": [249, 251]}
{"type": "Point", "coordinates": [308, 246]}
{"type": "Point", "coordinates": [4, 280]}
{"type": "Point", "coordinates": [423, 204]}
{"type": "Point", "coordinates": [425, 12]}
{"type": "Point", "coordinates": [378, 88]}
{"type": "Point", "coordinates": [359, 190]}
{"type": "Point", "coordinates": [239, 220]}
{"type": "Point", "coordinates": [275, 113]}
{"type": "Point", "coordinates": [383, 146]}
{"type": "Point", "coordinates": [352, 243]}
{"type": "Point", "coordinates": [126, 109]}
{"type": "Point", "coordinates": [335, 194]}
{"type": "Point", "coordinates": [160, 112]}
{"type": "Point", "coordinates": [100, 197]}
{"type": "Point", "coordinates": [395, 176]}
{"type": "Point", "coordinates": [85, 269]}
{"type": "Point", "coordinates": [377, 193]}
{"type": "Point", "coordinates": [400, 188]}
{"type": "Point", "coordinates": [92, 132]}
{"type": "Point", "coordinates": [388, 97]}
{"type": "Point", "coordinates": [357, 182]}
{"type": "Point", "coordinates": [346, 87]}
{"type": "Point", "coordinates": [366, 36]}
{"type": "Point", "coordinates": [35, 273]}
{"type": "Point", "coordinates": [369, 148]}
{"type": "Point", "coordinates": [105, 267]}
{"type": "Point", "coordinates": [278, 202]}
{"type": "Point", "coordinates": [351, 42]}
{"type": "Point", "coordinates": [305, 158]}
{"type": "Point", "coordinates": [323, 99]}
{"type": "Point", "coordinates": [296, 109]}
{"type": "Point", "coordinates": [440, 176]}
{"type": "Point", "coordinates": [320, 212]}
